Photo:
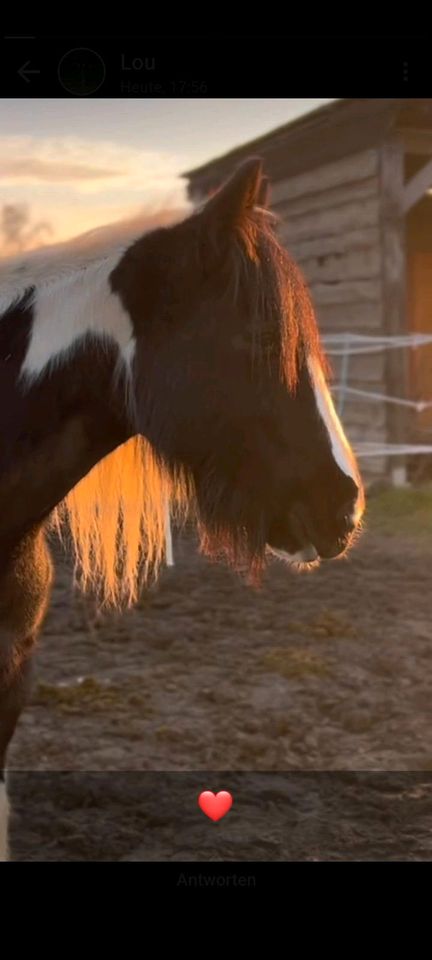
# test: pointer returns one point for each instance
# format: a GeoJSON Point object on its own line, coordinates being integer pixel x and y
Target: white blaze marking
{"type": "Point", "coordinates": [4, 816]}
{"type": "Point", "coordinates": [71, 307]}
{"type": "Point", "coordinates": [340, 447]}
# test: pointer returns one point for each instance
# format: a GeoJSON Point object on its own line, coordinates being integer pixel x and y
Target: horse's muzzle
{"type": "Point", "coordinates": [330, 540]}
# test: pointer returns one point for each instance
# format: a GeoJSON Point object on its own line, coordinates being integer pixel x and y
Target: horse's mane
{"type": "Point", "coordinates": [279, 299]}
{"type": "Point", "coordinates": [115, 520]}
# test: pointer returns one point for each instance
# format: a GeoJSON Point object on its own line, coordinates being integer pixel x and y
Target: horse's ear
{"type": "Point", "coordinates": [263, 198]}
{"type": "Point", "coordinates": [238, 195]}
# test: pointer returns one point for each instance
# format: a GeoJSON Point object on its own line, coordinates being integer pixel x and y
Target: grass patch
{"type": "Point", "coordinates": [293, 662]}
{"type": "Point", "coordinates": [407, 510]}
{"type": "Point", "coordinates": [86, 692]}
{"type": "Point", "coordinates": [327, 624]}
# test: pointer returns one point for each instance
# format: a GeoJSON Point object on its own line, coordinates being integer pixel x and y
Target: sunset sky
{"type": "Point", "coordinates": [80, 163]}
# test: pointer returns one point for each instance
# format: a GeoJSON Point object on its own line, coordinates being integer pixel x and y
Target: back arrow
{"type": "Point", "coordinates": [23, 71]}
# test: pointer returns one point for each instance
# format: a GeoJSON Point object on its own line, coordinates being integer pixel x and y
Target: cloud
{"type": "Point", "coordinates": [78, 184]}
{"type": "Point", "coordinates": [88, 166]}
{"type": "Point", "coordinates": [52, 171]}
{"type": "Point", "coordinates": [18, 229]}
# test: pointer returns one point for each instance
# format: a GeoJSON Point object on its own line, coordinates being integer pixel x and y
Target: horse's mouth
{"type": "Point", "coordinates": [292, 541]}
{"type": "Point", "coordinates": [308, 554]}
{"type": "Point", "coordinates": [297, 540]}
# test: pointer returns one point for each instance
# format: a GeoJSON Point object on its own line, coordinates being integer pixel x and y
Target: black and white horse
{"type": "Point", "coordinates": [182, 367]}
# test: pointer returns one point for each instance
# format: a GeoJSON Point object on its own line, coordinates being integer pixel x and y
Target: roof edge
{"type": "Point", "coordinates": [335, 113]}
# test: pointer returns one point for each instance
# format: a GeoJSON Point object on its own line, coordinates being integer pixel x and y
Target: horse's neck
{"type": "Point", "coordinates": [58, 430]}
{"type": "Point", "coordinates": [26, 574]}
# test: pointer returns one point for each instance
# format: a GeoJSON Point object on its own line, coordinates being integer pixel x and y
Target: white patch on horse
{"type": "Point", "coordinates": [4, 817]}
{"type": "Point", "coordinates": [123, 371]}
{"type": "Point", "coordinates": [72, 293]}
{"type": "Point", "coordinates": [340, 447]}
{"type": "Point", "coordinates": [42, 267]}
{"type": "Point", "coordinates": [72, 307]}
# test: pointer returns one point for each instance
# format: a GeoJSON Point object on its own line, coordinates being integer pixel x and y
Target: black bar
{"type": "Point", "coordinates": [209, 66]}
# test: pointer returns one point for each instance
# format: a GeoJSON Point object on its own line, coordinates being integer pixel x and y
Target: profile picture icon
{"type": "Point", "coordinates": [81, 71]}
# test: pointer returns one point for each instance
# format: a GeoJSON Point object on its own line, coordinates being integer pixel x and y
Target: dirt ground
{"type": "Point", "coordinates": [311, 700]}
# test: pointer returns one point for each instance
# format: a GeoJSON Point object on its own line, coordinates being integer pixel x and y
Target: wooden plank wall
{"type": "Point", "coordinates": [330, 221]}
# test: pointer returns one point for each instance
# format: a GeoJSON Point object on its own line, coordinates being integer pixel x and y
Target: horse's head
{"type": "Point", "coordinates": [229, 381]}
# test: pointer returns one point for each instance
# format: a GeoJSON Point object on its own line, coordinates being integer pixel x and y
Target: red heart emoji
{"type": "Point", "coordinates": [215, 805]}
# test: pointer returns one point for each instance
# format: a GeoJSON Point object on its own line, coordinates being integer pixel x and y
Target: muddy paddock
{"type": "Point", "coordinates": [311, 700]}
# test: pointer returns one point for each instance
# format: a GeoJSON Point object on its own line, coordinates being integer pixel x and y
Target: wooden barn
{"type": "Point", "coordinates": [349, 184]}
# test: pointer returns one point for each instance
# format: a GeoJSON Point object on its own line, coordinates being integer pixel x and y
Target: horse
{"type": "Point", "coordinates": [178, 367]}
